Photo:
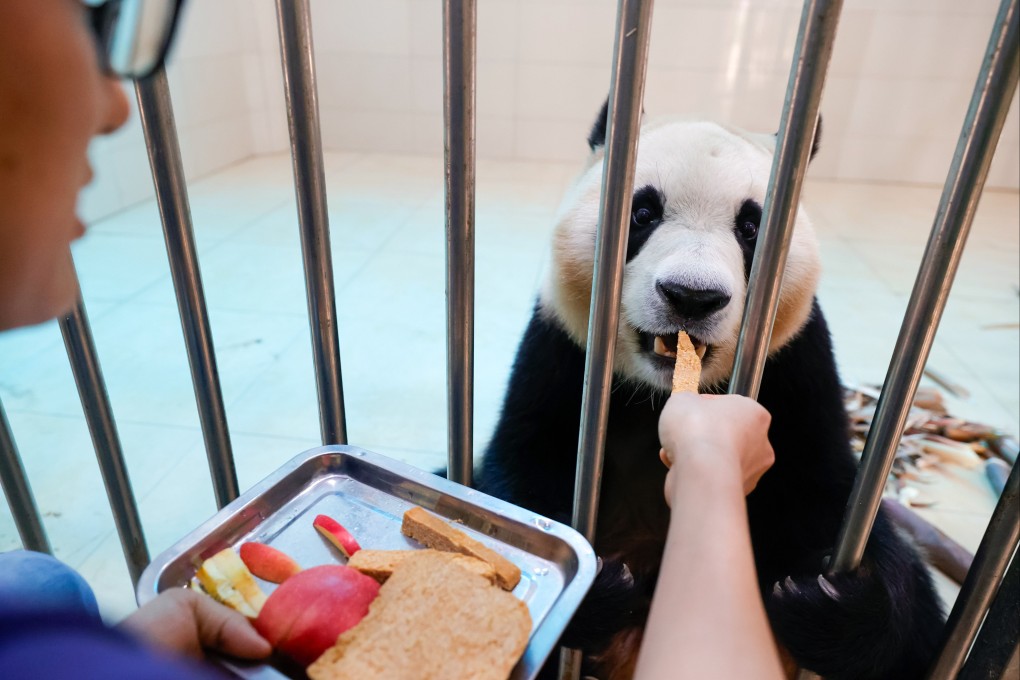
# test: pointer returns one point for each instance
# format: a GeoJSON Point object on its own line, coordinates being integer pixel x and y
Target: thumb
{"type": "Point", "coordinates": [223, 630]}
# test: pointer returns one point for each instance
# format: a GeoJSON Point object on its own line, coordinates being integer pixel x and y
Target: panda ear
{"type": "Point", "coordinates": [597, 136]}
{"type": "Point", "coordinates": [816, 142]}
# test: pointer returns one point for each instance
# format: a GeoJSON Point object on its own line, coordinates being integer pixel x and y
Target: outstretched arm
{"type": "Point", "coordinates": [707, 617]}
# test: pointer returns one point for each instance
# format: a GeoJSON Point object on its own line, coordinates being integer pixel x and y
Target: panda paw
{"type": "Point", "coordinates": [817, 616]}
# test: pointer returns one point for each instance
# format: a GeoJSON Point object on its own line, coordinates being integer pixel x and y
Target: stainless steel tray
{"type": "Point", "coordinates": [368, 494]}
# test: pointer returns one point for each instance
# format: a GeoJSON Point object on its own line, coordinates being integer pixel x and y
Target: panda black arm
{"type": "Point", "coordinates": [531, 457]}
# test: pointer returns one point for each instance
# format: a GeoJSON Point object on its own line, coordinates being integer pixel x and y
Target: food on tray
{"type": "Point", "coordinates": [379, 564]}
{"type": "Point", "coordinates": [268, 563]}
{"type": "Point", "coordinates": [433, 620]}
{"type": "Point", "coordinates": [687, 372]}
{"type": "Point", "coordinates": [303, 617]}
{"type": "Point", "coordinates": [433, 532]}
{"type": "Point", "coordinates": [225, 577]}
{"type": "Point", "coordinates": [336, 534]}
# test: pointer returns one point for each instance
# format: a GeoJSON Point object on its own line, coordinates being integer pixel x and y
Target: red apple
{"type": "Point", "coordinates": [336, 534]}
{"type": "Point", "coordinates": [268, 563]}
{"type": "Point", "coordinates": [308, 612]}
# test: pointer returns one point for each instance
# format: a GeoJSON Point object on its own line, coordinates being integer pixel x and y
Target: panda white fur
{"type": "Point", "coordinates": [698, 191]}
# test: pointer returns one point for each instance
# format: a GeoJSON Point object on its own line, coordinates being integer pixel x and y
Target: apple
{"type": "Point", "coordinates": [336, 534]}
{"type": "Point", "coordinates": [304, 616]}
{"type": "Point", "coordinates": [268, 563]}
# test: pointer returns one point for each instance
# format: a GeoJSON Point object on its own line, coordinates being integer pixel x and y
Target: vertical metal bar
{"type": "Point", "coordinates": [157, 116]}
{"type": "Point", "coordinates": [18, 492]}
{"type": "Point", "coordinates": [295, 28]}
{"type": "Point", "coordinates": [459, 35]}
{"type": "Point", "coordinates": [997, 547]}
{"type": "Point", "coordinates": [626, 93]}
{"type": "Point", "coordinates": [988, 107]}
{"type": "Point", "coordinates": [815, 38]}
{"type": "Point", "coordinates": [998, 643]}
{"type": "Point", "coordinates": [95, 401]}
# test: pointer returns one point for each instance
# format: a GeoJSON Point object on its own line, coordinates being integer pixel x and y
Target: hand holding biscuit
{"type": "Point", "coordinates": [715, 434]}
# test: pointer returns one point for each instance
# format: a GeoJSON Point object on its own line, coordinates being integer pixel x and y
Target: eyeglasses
{"type": "Point", "coordinates": [133, 35]}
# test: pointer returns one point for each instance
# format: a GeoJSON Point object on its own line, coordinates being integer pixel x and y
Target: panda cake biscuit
{"type": "Point", "coordinates": [687, 372]}
{"type": "Point", "coordinates": [696, 208]}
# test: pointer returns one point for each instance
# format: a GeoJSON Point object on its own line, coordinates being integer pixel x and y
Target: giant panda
{"type": "Point", "coordinates": [698, 191]}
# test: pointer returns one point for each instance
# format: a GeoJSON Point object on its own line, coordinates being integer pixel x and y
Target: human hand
{"type": "Point", "coordinates": [725, 433]}
{"type": "Point", "coordinates": [186, 622]}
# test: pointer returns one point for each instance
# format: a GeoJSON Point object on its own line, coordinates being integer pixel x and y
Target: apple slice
{"type": "Point", "coordinates": [336, 534]}
{"type": "Point", "coordinates": [268, 563]}
{"type": "Point", "coordinates": [227, 579]}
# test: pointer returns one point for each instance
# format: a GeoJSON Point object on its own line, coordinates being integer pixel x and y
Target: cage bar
{"type": "Point", "coordinates": [626, 93]}
{"type": "Point", "coordinates": [157, 116]}
{"type": "Point", "coordinates": [982, 125]}
{"type": "Point", "coordinates": [996, 651]}
{"type": "Point", "coordinates": [811, 56]}
{"type": "Point", "coordinates": [993, 554]}
{"type": "Point", "coordinates": [459, 57]}
{"type": "Point", "coordinates": [18, 492]}
{"type": "Point", "coordinates": [95, 402]}
{"type": "Point", "coordinates": [295, 29]}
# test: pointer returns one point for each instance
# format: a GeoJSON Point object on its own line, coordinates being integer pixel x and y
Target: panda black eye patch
{"type": "Point", "coordinates": [645, 216]}
{"type": "Point", "coordinates": [745, 228]}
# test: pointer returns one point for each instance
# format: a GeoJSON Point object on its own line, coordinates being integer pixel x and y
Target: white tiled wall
{"type": "Point", "coordinates": [213, 97]}
{"type": "Point", "coordinates": [898, 87]}
{"type": "Point", "coordinates": [900, 80]}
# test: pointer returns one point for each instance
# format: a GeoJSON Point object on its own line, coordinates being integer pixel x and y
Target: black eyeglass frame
{"type": "Point", "coordinates": [102, 18]}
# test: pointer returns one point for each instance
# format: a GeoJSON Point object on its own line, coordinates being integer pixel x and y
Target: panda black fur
{"type": "Point", "coordinates": [887, 620]}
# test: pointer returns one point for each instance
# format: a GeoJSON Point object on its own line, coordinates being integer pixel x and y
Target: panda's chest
{"type": "Point", "coordinates": [633, 515]}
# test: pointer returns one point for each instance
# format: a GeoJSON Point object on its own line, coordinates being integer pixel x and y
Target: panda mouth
{"type": "Point", "coordinates": [663, 347]}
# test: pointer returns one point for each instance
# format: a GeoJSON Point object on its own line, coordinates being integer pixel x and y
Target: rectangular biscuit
{"type": "Point", "coordinates": [433, 532]}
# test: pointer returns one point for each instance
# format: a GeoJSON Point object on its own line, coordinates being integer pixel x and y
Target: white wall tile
{"type": "Point", "coordinates": [380, 27]}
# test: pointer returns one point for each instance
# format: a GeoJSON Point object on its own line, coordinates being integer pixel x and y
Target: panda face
{"type": "Point", "coordinates": [696, 210]}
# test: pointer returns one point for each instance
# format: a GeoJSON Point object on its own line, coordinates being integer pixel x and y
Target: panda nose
{"type": "Point", "coordinates": [692, 304]}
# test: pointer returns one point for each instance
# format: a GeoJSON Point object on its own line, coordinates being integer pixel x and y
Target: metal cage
{"type": "Point", "coordinates": [988, 589]}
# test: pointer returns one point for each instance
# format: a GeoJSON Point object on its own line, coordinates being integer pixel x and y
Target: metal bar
{"type": "Point", "coordinates": [459, 36]}
{"type": "Point", "coordinates": [997, 644]}
{"type": "Point", "coordinates": [157, 116]}
{"type": "Point", "coordinates": [18, 492]}
{"type": "Point", "coordinates": [997, 547]}
{"type": "Point", "coordinates": [294, 24]}
{"type": "Point", "coordinates": [815, 38]}
{"type": "Point", "coordinates": [95, 402]}
{"type": "Point", "coordinates": [626, 94]}
{"type": "Point", "coordinates": [988, 107]}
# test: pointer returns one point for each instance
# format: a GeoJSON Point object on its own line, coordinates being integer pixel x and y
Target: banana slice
{"type": "Point", "coordinates": [227, 580]}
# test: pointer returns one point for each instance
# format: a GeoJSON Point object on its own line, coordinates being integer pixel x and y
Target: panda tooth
{"type": "Point", "coordinates": [659, 347]}
{"type": "Point", "coordinates": [700, 351]}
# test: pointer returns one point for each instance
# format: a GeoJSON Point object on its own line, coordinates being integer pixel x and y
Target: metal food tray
{"type": "Point", "coordinates": [368, 494]}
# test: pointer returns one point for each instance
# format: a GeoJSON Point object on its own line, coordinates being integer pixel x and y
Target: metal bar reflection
{"type": "Point", "coordinates": [997, 547]}
{"type": "Point", "coordinates": [815, 38]}
{"type": "Point", "coordinates": [997, 647]}
{"type": "Point", "coordinates": [459, 35]}
{"type": "Point", "coordinates": [18, 492]}
{"type": "Point", "coordinates": [95, 402]}
{"type": "Point", "coordinates": [294, 24]}
{"type": "Point", "coordinates": [988, 107]}
{"type": "Point", "coordinates": [157, 116]}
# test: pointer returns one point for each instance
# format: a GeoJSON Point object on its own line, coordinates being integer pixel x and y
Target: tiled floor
{"type": "Point", "coordinates": [386, 214]}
